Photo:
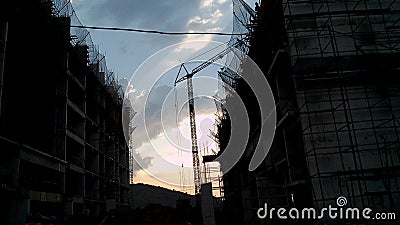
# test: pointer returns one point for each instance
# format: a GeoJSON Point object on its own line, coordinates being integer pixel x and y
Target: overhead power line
{"type": "Point", "coordinates": [154, 31]}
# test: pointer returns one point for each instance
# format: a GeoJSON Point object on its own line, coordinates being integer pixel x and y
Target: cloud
{"type": "Point", "coordinates": [211, 3]}
{"type": "Point", "coordinates": [172, 15]}
{"type": "Point", "coordinates": [141, 162]}
{"type": "Point", "coordinates": [154, 120]}
{"type": "Point", "coordinates": [147, 14]}
{"type": "Point", "coordinates": [127, 50]}
{"type": "Point", "coordinates": [197, 22]}
{"type": "Point", "coordinates": [150, 14]}
{"type": "Point", "coordinates": [160, 114]}
{"type": "Point", "coordinates": [214, 22]}
{"type": "Point", "coordinates": [166, 159]}
{"type": "Point", "coordinates": [206, 3]}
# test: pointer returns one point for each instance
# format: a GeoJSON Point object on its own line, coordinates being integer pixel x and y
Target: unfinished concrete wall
{"type": "Point", "coordinates": [61, 128]}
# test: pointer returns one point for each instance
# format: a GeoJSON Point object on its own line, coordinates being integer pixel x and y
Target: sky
{"type": "Point", "coordinates": [126, 51]}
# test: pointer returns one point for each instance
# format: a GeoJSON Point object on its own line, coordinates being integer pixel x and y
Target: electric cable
{"type": "Point", "coordinates": [154, 31]}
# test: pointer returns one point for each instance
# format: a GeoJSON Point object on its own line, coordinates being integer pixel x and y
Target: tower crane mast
{"type": "Point", "coordinates": [192, 114]}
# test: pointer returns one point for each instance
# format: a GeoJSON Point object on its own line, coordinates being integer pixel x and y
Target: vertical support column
{"type": "Point", "coordinates": [3, 44]}
{"type": "Point", "coordinates": [207, 204]}
{"type": "Point", "coordinates": [14, 166]}
{"type": "Point", "coordinates": [68, 209]}
{"type": "Point", "coordinates": [18, 210]}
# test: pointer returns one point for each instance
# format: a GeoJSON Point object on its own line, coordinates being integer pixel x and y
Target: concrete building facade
{"type": "Point", "coordinates": [61, 137]}
{"type": "Point", "coordinates": [333, 67]}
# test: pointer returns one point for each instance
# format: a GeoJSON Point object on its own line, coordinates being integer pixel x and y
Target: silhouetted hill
{"type": "Point", "coordinates": [143, 195]}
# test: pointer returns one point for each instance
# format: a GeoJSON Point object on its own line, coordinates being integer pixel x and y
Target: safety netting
{"type": "Point", "coordinates": [243, 22]}
{"type": "Point", "coordinates": [81, 37]}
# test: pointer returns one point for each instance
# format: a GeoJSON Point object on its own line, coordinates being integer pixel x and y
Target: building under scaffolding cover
{"type": "Point", "coordinates": [333, 67]}
{"type": "Point", "coordinates": [63, 150]}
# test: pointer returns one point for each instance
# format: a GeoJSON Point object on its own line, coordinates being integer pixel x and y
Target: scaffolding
{"type": "Point", "coordinates": [243, 16]}
{"type": "Point", "coordinates": [325, 29]}
{"type": "Point", "coordinates": [243, 23]}
{"type": "Point", "coordinates": [80, 37]}
{"type": "Point", "coordinates": [351, 143]}
{"type": "Point", "coordinates": [344, 55]}
{"type": "Point", "coordinates": [333, 68]}
{"type": "Point", "coordinates": [74, 155]}
{"type": "Point", "coordinates": [211, 172]}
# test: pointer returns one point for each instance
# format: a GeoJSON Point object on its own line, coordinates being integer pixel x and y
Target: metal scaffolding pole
{"type": "Point", "coordinates": [3, 43]}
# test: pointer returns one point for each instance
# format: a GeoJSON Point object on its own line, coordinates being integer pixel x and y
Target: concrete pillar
{"type": "Point", "coordinates": [14, 166]}
{"type": "Point", "coordinates": [207, 204]}
{"type": "Point", "coordinates": [18, 210]}
{"type": "Point", "coordinates": [68, 209]}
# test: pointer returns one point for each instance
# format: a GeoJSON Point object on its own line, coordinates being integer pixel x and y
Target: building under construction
{"type": "Point", "coordinates": [333, 67]}
{"type": "Point", "coordinates": [63, 152]}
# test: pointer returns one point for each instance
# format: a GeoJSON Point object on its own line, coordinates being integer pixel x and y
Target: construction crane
{"type": "Point", "coordinates": [192, 115]}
